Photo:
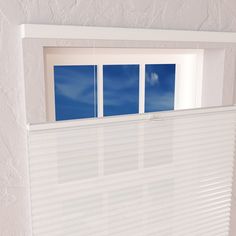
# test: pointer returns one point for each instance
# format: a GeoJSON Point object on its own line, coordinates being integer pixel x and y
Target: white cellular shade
{"type": "Point", "coordinates": [165, 174]}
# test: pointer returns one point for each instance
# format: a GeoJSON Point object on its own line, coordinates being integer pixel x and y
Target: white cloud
{"type": "Point", "coordinates": [153, 78]}
{"type": "Point", "coordinates": [161, 101]}
{"type": "Point", "coordinates": [76, 90]}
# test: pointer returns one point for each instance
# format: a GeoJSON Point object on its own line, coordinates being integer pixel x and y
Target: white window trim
{"type": "Point", "coordinates": [38, 31]}
{"type": "Point", "coordinates": [187, 89]}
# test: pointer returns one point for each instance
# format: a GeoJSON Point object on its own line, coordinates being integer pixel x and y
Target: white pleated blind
{"type": "Point", "coordinates": [167, 174]}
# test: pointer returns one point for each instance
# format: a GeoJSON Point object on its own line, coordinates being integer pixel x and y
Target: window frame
{"type": "Point", "coordinates": [185, 96]}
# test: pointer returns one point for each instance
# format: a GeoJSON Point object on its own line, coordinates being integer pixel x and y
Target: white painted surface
{"type": "Point", "coordinates": [105, 33]}
{"type": "Point", "coordinates": [214, 66]}
{"type": "Point", "coordinates": [166, 174]}
{"type": "Point", "coordinates": [14, 187]}
{"type": "Point", "coordinates": [186, 15]}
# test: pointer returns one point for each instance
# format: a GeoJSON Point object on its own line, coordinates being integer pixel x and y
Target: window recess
{"type": "Point", "coordinates": [121, 81]}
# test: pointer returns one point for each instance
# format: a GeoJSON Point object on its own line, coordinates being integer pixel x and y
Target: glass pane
{"type": "Point", "coordinates": [121, 89]}
{"type": "Point", "coordinates": [159, 87]}
{"type": "Point", "coordinates": [75, 92]}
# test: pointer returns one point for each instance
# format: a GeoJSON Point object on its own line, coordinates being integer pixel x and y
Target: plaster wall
{"type": "Point", "coordinates": [212, 15]}
{"type": "Point", "coordinates": [14, 206]}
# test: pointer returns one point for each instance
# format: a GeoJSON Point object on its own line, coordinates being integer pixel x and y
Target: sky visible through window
{"type": "Point", "coordinates": [120, 89]}
{"type": "Point", "coordinates": [75, 92]}
{"type": "Point", "coordinates": [159, 87]}
{"type": "Point", "coordinates": [76, 89]}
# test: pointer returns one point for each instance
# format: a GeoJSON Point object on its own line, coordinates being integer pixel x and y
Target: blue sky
{"type": "Point", "coordinates": [120, 89]}
{"type": "Point", "coordinates": [76, 89]}
{"type": "Point", "coordinates": [159, 87]}
{"type": "Point", "coordinates": [75, 92]}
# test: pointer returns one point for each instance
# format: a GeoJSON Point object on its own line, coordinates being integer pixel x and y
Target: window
{"type": "Point", "coordinates": [120, 89]}
{"type": "Point", "coordinates": [85, 82]}
{"type": "Point", "coordinates": [75, 92]}
{"type": "Point", "coordinates": [159, 87]}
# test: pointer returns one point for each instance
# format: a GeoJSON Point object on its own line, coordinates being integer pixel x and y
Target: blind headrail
{"type": "Point", "coordinates": [123, 118]}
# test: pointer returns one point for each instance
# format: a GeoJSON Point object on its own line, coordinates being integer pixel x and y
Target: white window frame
{"type": "Point", "coordinates": [188, 80]}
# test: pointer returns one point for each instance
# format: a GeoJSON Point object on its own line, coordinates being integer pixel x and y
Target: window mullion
{"type": "Point", "coordinates": [100, 90]}
{"type": "Point", "coordinates": [141, 88]}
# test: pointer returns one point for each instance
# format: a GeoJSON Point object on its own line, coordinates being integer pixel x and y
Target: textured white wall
{"type": "Point", "coordinates": [218, 15]}
{"type": "Point", "coordinates": [13, 172]}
